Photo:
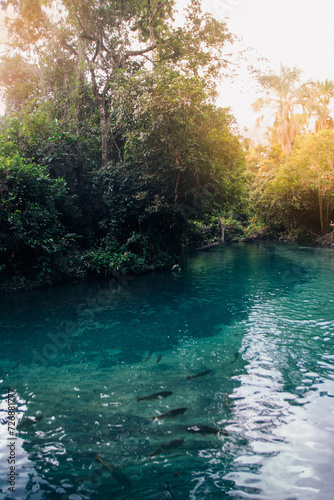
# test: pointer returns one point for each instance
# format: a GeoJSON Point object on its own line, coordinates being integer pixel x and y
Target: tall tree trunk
{"type": "Point", "coordinates": [100, 102]}
{"type": "Point", "coordinates": [327, 213]}
{"type": "Point", "coordinates": [104, 131]}
{"type": "Point", "coordinates": [320, 208]}
{"type": "Point", "coordinates": [79, 83]}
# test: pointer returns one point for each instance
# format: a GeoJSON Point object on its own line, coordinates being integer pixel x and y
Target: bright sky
{"type": "Point", "coordinates": [295, 32]}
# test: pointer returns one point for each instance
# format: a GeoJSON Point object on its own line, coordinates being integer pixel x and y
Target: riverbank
{"type": "Point", "coordinates": [80, 265]}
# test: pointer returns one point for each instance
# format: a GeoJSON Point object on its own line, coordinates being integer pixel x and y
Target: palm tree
{"type": "Point", "coordinates": [318, 102]}
{"type": "Point", "coordinates": [283, 96]}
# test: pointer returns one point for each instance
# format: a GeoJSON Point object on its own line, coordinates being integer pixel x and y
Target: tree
{"type": "Point", "coordinates": [20, 79]}
{"type": "Point", "coordinates": [287, 193]}
{"type": "Point", "coordinates": [173, 134]}
{"type": "Point", "coordinates": [118, 78]}
{"type": "Point", "coordinates": [102, 38]}
{"type": "Point", "coordinates": [32, 236]}
{"type": "Point", "coordinates": [313, 164]}
{"type": "Point", "coordinates": [318, 102]}
{"type": "Point", "coordinates": [283, 95]}
{"type": "Point", "coordinates": [179, 158]}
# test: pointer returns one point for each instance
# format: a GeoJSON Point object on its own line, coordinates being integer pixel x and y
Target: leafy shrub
{"type": "Point", "coordinates": [31, 234]}
{"type": "Point", "coordinates": [255, 229]}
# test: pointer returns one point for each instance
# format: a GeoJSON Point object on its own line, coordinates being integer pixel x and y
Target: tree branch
{"type": "Point", "coordinates": [141, 52]}
{"type": "Point", "coordinates": [162, 4]}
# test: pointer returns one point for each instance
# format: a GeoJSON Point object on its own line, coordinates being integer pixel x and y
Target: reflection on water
{"type": "Point", "coordinates": [284, 404]}
{"type": "Point", "coordinates": [255, 323]}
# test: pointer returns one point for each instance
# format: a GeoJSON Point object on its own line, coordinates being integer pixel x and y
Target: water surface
{"type": "Point", "coordinates": [259, 317]}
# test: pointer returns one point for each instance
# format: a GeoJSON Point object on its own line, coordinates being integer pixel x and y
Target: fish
{"type": "Point", "coordinates": [216, 330]}
{"type": "Point", "coordinates": [28, 422]}
{"type": "Point", "coordinates": [166, 447]}
{"type": "Point", "coordinates": [146, 359]}
{"type": "Point", "coordinates": [227, 401]}
{"type": "Point", "coordinates": [205, 429]}
{"type": "Point", "coordinates": [156, 395]}
{"type": "Point", "coordinates": [158, 359]}
{"type": "Point", "coordinates": [170, 414]}
{"type": "Point", "coordinates": [200, 374]}
{"type": "Point", "coordinates": [236, 355]}
{"type": "Point", "coordinates": [15, 365]}
{"type": "Point", "coordinates": [116, 473]}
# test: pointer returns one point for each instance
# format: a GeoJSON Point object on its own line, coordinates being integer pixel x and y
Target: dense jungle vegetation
{"type": "Point", "coordinates": [114, 154]}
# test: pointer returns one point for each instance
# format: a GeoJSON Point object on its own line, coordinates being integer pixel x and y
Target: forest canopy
{"type": "Point", "coordinates": [113, 152]}
{"type": "Point", "coordinates": [292, 177]}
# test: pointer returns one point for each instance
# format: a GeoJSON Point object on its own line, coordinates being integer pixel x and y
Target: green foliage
{"type": "Point", "coordinates": [114, 146]}
{"type": "Point", "coordinates": [291, 179]}
{"type": "Point", "coordinates": [82, 46]}
{"type": "Point", "coordinates": [147, 255]}
{"type": "Point", "coordinates": [32, 235]}
{"type": "Point", "coordinates": [254, 229]}
{"type": "Point", "coordinates": [208, 229]}
{"type": "Point", "coordinates": [20, 78]}
{"type": "Point", "coordinates": [200, 232]}
{"type": "Point", "coordinates": [296, 193]}
{"type": "Point", "coordinates": [178, 141]}
{"type": "Point", "coordinates": [309, 174]}
{"type": "Point", "coordinates": [234, 226]}
{"type": "Point", "coordinates": [105, 262]}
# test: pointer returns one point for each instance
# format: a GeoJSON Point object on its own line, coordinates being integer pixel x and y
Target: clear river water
{"type": "Point", "coordinates": [255, 323]}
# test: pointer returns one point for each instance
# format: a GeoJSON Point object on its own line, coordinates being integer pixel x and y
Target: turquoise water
{"type": "Point", "coordinates": [259, 317]}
